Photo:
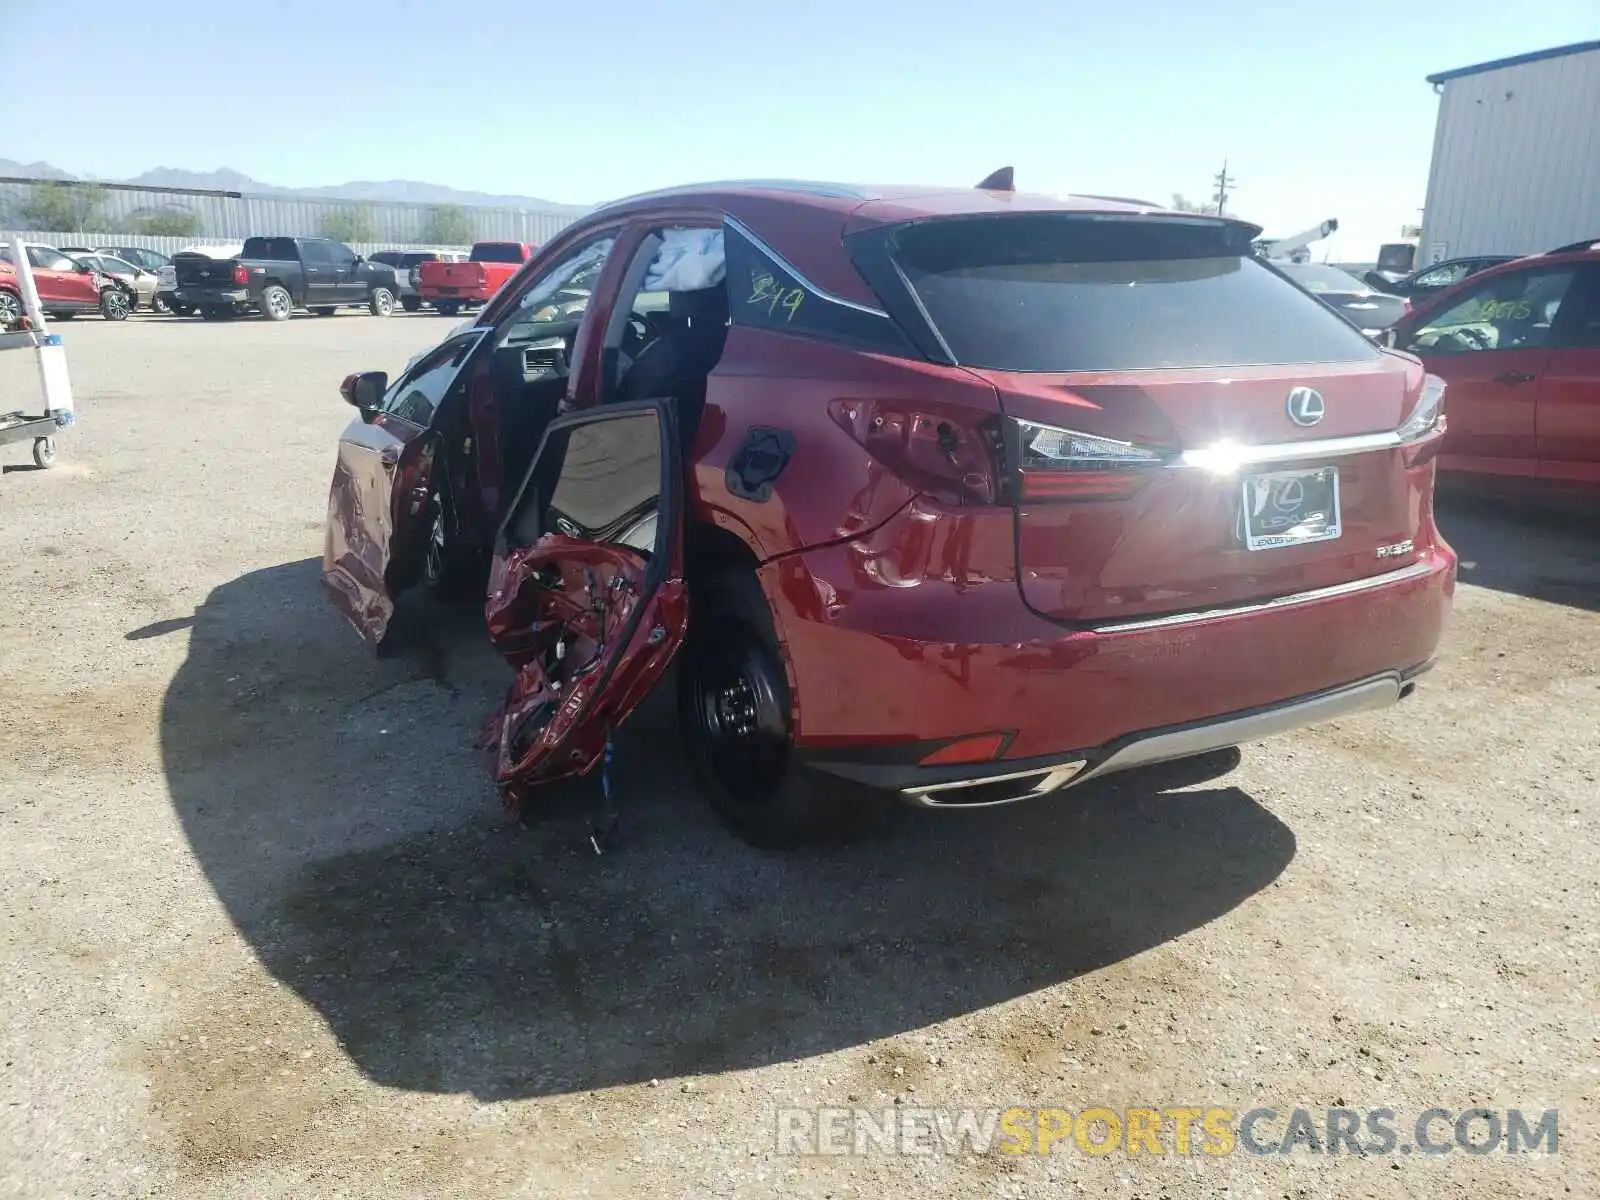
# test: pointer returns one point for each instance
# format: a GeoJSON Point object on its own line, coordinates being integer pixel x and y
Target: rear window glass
{"type": "Point", "coordinates": [281, 248]}
{"type": "Point", "coordinates": [415, 259]}
{"type": "Point", "coordinates": [1072, 293]}
{"type": "Point", "coordinates": [503, 252]}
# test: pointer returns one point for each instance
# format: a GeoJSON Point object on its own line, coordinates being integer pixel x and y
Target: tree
{"type": "Point", "coordinates": [446, 225]}
{"type": "Point", "coordinates": [63, 207]}
{"type": "Point", "coordinates": [350, 225]}
{"type": "Point", "coordinates": [165, 223]}
{"type": "Point", "coordinates": [1183, 205]}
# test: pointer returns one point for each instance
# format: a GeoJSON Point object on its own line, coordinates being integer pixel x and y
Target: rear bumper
{"type": "Point", "coordinates": [1073, 704]}
{"type": "Point", "coordinates": [989, 784]}
{"type": "Point", "coordinates": [203, 295]}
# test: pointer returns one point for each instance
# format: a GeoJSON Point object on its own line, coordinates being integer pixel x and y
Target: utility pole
{"type": "Point", "coordinates": [1223, 180]}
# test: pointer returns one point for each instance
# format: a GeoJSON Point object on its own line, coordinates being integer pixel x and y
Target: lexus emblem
{"type": "Point", "coordinates": [1305, 406]}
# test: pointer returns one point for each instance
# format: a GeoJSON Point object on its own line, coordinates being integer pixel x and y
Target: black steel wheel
{"type": "Point", "coordinates": [737, 721]}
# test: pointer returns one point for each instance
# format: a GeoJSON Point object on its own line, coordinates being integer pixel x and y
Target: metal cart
{"type": "Point", "coordinates": [22, 425]}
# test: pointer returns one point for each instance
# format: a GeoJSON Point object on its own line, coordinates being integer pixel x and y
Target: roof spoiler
{"type": "Point", "coordinates": [1586, 244]}
{"type": "Point", "coordinates": [999, 181]}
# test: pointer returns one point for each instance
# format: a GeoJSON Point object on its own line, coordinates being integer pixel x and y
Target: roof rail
{"type": "Point", "coordinates": [1586, 244]}
{"type": "Point", "coordinates": [1002, 180]}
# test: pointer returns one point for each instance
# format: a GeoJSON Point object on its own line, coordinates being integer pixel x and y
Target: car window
{"type": "Point", "coordinates": [44, 258]}
{"type": "Point", "coordinates": [417, 395]}
{"type": "Point", "coordinates": [1584, 303]}
{"type": "Point", "coordinates": [315, 253]}
{"type": "Point", "coordinates": [1506, 312]}
{"type": "Point", "coordinates": [1068, 293]}
{"type": "Point", "coordinates": [599, 481]}
{"type": "Point", "coordinates": [559, 294]}
{"type": "Point", "coordinates": [339, 254]}
{"type": "Point", "coordinates": [1443, 276]}
{"type": "Point", "coordinates": [273, 249]}
{"type": "Point", "coordinates": [388, 258]}
{"type": "Point", "coordinates": [500, 252]}
{"type": "Point", "coordinates": [111, 263]}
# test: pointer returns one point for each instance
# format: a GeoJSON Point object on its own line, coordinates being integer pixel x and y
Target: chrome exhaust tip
{"type": "Point", "coordinates": [995, 790]}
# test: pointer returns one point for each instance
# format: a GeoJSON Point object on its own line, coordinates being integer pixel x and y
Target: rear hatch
{"type": "Point", "coordinates": [1166, 396]}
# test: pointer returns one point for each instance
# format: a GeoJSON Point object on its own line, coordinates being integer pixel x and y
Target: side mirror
{"type": "Point", "coordinates": [357, 261]}
{"type": "Point", "coordinates": [85, 269]}
{"type": "Point", "coordinates": [364, 391]}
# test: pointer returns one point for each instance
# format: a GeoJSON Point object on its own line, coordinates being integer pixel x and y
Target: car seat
{"type": "Point", "coordinates": [677, 362]}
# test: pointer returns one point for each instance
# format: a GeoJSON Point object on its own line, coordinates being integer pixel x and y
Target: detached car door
{"type": "Point", "coordinates": [587, 596]}
{"type": "Point", "coordinates": [382, 482]}
{"type": "Point", "coordinates": [1490, 342]}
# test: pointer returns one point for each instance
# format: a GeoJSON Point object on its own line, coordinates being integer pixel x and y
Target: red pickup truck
{"type": "Point", "coordinates": [452, 286]}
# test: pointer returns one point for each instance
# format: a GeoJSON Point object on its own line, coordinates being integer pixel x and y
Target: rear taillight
{"type": "Point", "coordinates": [1062, 464]}
{"type": "Point", "coordinates": [241, 274]}
{"type": "Point", "coordinates": [945, 449]}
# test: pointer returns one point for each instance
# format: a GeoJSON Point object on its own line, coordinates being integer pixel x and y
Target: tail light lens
{"type": "Point", "coordinates": [1428, 413]}
{"type": "Point", "coordinates": [1062, 464]}
{"type": "Point", "coordinates": [241, 274]}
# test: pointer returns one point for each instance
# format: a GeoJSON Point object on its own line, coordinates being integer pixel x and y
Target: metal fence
{"type": "Point", "coordinates": [171, 245]}
{"type": "Point", "coordinates": [232, 217]}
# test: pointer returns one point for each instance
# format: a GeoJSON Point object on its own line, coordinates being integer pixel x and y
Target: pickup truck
{"type": "Point", "coordinates": [276, 275]}
{"type": "Point", "coordinates": [450, 287]}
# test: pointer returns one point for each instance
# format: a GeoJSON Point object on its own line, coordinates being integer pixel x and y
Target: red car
{"type": "Point", "coordinates": [452, 286]}
{"type": "Point", "coordinates": [66, 287]}
{"type": "Point", "coordinates": [963, 494]}
{"type": "Point", "coordinates": [1519, 345]}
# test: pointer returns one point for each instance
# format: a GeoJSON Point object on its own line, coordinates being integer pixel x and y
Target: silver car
{"type": "Point", "coordinates": [141, 281]}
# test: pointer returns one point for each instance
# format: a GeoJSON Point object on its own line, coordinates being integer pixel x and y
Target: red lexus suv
{"type": "Point", "coordinates": [967, 495]}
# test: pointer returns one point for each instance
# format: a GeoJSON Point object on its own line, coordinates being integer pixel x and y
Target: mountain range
{"type": "Point", "coordinates": [227, 180]}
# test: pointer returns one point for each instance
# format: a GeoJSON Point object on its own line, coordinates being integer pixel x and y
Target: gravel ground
{"type": "Point", "coordinates": [266, 931]}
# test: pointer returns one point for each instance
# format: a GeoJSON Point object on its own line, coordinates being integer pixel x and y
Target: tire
{"type": "Point", "coordinates": [62, 316]}
{"type": "Point", "coordinates": [447, 308]}
{"type": "Point", "coordinates": [736, 716]}
{"type": "Point", "coordinates": [323, 310]}
{"type": "Point", "coordinates": [158, 304]}
{"type": "Point", "coordinates": [451, 574]}
{"type": "Point", "coordinates": [115, 305]}
{"type": "Point", "coordinates": [10, 307]}
{"type": "Point", "coordinates": [276, 303]}
{"type": "Point", "coordinates": [216, 312]}
{"type": "Point", "coordinates": [44, 453]}
{"type": "Point", "coordinates": [411, 303]}
{"type": "Point", "coordinates": [380, 302]}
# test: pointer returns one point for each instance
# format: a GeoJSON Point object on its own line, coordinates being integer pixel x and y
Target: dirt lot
{"type": "Point", "coordinates": [266, 932]}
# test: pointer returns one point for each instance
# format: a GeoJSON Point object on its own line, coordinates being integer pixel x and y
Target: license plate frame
{"type": "Point", "coordinates": [1279, 509]}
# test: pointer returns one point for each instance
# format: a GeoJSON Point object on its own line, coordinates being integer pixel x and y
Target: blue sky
{"type": "Point", "coordinates": [1320, 109]}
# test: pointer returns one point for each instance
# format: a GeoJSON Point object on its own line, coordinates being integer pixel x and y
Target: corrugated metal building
{"type": "Point", "coordinates": [1516, 155]}
{"type": "Point", "coordinates": [233, 216]}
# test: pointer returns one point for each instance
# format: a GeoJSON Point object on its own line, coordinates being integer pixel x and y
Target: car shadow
{"type": "Point", "coordinates": [334, 803]}
{"type": "Point", "coordinates": [1525, 546]}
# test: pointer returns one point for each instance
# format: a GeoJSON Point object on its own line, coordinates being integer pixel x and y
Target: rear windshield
{"type": "Point", "coordinates": [1075, 293]}
{"type": "Point", "coordinates": [508, 252]}
{"type": "Point", "coordinates": [415, 259]}
{"type": "Point", "coordinates": [282, 249]}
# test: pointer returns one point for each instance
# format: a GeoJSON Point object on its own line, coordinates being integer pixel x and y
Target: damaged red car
{"type": "Point", "coordinates": [966, 495]}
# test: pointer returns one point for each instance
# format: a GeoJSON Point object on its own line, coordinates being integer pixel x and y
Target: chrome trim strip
{"type": "Point", "coordinates": [1370, 694]}
{"type": "Point", "coordinates": [1414, 571]}
{"type": "Point", "coordinates": [788, 267]}
{"type": "Point", "coordinates": [1225, 457]}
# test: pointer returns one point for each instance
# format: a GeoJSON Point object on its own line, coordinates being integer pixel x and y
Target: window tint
{"type": "Point", "coordinates": [1319, 279]}
{"type": "Point", "coordinates": [340, 254]}
{"type": "Point", "coordinates": [418, 394]}
{"type": "Point", "coordinates": [281, 249]}
{"type": "Point", "coordinates": [415, 259]}
{"type": "Point", "coordinates": [559, 294]}
{"type": "Point", "coordinates": [766, 292]}
{"type": "Point", "coordinates": [389, 258]}
{"type": "Point", "coordinates": [501, 252]}
{"type": "Point", "coordinates": [45, 259]}
{"type": "Point", "coordinates": [599, 481]}
{"type": "Point", "coordinates": [1071, 293]}
{"type": "Point", "coordinates": [1508, 312]}
{"type": "Point", "coordinates": [1585, 325]}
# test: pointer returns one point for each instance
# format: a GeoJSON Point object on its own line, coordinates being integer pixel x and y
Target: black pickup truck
{"type": "Point", "coordinates": [276, 275]}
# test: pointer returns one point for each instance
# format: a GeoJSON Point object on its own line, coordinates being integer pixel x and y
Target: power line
{"type": "Point", "coordinates": [1223, 180]}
